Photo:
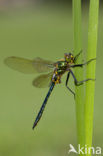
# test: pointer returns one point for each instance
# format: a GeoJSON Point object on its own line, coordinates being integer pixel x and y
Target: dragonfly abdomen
{"type": "Point", "coordinates": [43, 105]}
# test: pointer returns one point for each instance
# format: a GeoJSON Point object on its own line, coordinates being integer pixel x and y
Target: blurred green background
{"type": "Point", "coordinates": [42, 31]}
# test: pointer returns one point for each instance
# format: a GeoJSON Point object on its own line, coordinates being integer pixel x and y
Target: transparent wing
{"type": "Point", "coordinates": [29, 66]}
{"type": "Point", "coordinates": [42, 81]}
{"type": "Point", "coordinates": [42, 65]}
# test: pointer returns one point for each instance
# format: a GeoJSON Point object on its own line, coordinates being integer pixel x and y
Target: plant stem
{"type": "Point", "coordinates": [90, 85]}
{"type": "Point", "coordinates": [79, 99]}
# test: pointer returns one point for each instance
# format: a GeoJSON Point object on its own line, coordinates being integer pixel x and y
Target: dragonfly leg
{"type": "Point", "coordinates": [78, 83]}
{"type": "Point", "coordinates": [67, 84]}
{"type": "Point", "coordinates": [76, 57]}
{"type": "Point", "coordinates": [81, 65]}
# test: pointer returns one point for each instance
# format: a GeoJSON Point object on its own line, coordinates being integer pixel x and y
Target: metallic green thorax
{"type": "Point", "coordinates": [62, 65]}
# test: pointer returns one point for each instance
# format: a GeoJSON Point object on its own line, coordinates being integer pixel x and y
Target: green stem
{"type": "Point", "coordinates": [79, 99]}
{"type": "Point", "coordinates": [90, 86]}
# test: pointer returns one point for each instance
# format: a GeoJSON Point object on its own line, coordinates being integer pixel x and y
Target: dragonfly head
{"type": "Point", "coordinates": [69, 58]}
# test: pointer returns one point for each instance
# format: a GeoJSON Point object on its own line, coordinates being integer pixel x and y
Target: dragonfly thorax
{"type": "Point", "coordinates": [60, 68]}
{"type": "Point", "coordinates": [61, 65]}
{"type": "Point", "coordinates": [56, 77]}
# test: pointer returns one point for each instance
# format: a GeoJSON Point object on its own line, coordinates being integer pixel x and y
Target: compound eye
{"type": "Point", "coordinates": [72, 57]}
{"type": "Point", "coordinates": [68, 59]}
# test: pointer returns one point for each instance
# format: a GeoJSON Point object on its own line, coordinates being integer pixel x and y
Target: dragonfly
{"type": "Point", "coordinates": [54, 70]}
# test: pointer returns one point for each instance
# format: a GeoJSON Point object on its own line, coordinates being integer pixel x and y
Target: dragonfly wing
{"type": "Point", "coordinates": [28, 66]}
{"type": "Point", "coordinates": [42, 65]}
{"type": "Point", "coordinates": [20, 64]}
{"type": "Point", "coordinates": [43, 81]}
